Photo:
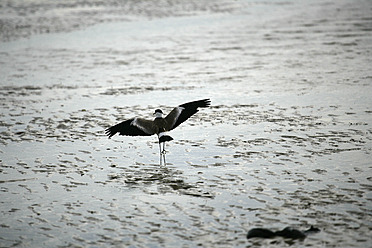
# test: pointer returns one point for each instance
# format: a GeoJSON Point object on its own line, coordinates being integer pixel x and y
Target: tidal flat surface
{"type": "Point", "coordinates": [286, 142]}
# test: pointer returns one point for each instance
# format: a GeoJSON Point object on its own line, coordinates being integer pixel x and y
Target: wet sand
{"type": "Point", "coordinates": [286, 142]}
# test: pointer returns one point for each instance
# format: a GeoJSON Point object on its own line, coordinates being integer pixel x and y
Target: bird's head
{"type": "Point", "coordinates": [158, 113]}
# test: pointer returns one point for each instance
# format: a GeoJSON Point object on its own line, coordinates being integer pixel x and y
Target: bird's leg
{"type": "Point", "coordinates": [164, 152]}
{"type": "Point", "coordinates": [160, 153]}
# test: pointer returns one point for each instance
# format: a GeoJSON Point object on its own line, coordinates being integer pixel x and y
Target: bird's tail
{"type": "Point", "coordinates": [163, 137]}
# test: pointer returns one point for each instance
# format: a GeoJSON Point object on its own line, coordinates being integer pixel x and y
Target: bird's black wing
{"type": "Point", "coordinates": [183, 112]}
{"type": "Point", "coordinates": [132, 127]}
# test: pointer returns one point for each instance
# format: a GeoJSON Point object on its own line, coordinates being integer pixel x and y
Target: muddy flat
{"type": "Point", "coordinates": [287, 140]}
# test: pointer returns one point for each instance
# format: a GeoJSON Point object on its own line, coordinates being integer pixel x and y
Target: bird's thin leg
{"type": "Point", "coordinates": [164, 153]}
{"type": "Point", "coordinates": [160, 152]}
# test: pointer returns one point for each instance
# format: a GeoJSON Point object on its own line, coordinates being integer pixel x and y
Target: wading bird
{"type": "Point", "coordinates": [160, 126]}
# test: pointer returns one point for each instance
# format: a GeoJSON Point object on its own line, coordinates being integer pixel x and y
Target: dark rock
{"type": "Point", "coordinates": [288, 233]}
{"type": "Point", "coordinates": [260, 233]}
{"type": "Point", "coordinates": [291, 233]}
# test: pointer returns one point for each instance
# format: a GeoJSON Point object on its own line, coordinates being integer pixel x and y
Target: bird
{"type": "Point", "coordinates": [160, 126]}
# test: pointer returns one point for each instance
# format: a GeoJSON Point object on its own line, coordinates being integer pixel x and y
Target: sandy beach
{"type": "Point", "coordinates": [287, 140]}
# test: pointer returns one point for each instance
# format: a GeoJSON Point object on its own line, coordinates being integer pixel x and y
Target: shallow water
{"type": "Point", "coordinates": [286, 142]}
